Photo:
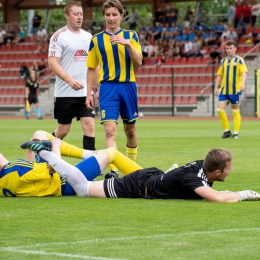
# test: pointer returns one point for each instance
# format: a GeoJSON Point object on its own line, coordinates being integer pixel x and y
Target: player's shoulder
{"type": "Point", "coordinates": [59, 33]}
{"type": "Point", "coordinates": [86, 33]}
{"type": "Point", "coordinates": [97, 34]}
{"type": "Point", "coordinates": [240, 59]}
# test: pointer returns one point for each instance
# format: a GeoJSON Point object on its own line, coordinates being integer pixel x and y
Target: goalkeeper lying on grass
{"type": "Point", "coordinates": [191, 181]}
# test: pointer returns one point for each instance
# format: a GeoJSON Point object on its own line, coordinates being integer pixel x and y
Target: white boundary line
{"type": "Point", "coordinates": [20, 249]}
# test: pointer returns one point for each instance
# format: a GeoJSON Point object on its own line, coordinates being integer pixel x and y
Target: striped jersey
{"type": "Point", "coordinates": [114, 60]}
{"type": "Point", "coordinates": [23, 179]}
{"type": "Point", "coordinates": [72, 49]}
{"type": "Point", "coordinates": [231, 70]}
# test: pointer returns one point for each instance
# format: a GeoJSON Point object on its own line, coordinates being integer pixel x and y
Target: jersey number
{"type": "Point", "coordinates": [8, 193]}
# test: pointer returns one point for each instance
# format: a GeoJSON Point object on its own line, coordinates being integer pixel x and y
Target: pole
{"type": "Point", "coordinates": [172, 81]}
{"type": "Point", "coordinates": [213, 87]}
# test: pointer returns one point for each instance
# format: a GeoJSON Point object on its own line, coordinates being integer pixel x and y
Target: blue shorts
{"type": "Point", "coordinates": [118, 98]}
{"type": "Point", "coordinates": [234, 99]}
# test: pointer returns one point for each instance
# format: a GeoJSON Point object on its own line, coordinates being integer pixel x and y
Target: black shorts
{"type": "Point", "coordinates": [66, 108]}
{"type": "Point", "coordinates": [33, 99]}
{"type": "Point", "coordinates": [132, 185]}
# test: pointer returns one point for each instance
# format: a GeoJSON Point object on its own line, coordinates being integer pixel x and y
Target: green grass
{"type": "Point", "coordinates": [80, 228]}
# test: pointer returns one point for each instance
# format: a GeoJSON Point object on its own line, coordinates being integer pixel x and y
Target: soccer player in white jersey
{"type": "Point", "coordinates": [68, 51]}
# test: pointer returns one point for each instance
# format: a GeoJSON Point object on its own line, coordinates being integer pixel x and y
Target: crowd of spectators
{"type": "Point", "coordinates": [167, 37]}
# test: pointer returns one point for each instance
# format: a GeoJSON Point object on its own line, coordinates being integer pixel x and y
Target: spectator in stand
{"type": "Point", "coordinates": [191, 35]}
{"type": "Point", "coordinates": [241, 28]}
{"type": "Point", "coordinates": [187, 17]}
{"type": "Point", "coordinates": [220, 29]}
{"type": "Point", "coordinates": [159, 16]}
{"type": "Point", "coordinates": [158, 49]}
{"type": "Point", "coordinates": [178, 26]}
{"type": "Point", "coordinates": [174, 12]}
{"type": "Point", "coordinates": [178, 41]}
{"type": "Point", "coordinates": [238, 13]}
{"type": "Point", "coordinates": [37, 19]}
{"type": "Point", "coordinates": [168, 14]}
{"type": "Point", "coordinates": [159, 61]}
{"type": "Point", "coordinates": [150, 30]}
{"type": "Point", "coordinates": [24, 72]}
{"type": "Point", "coordinates": [222, 47]}
{"type": "Point", "coordinates": [214, 56]}
{"type": "Point", "coordinates": [41, 69]}
{"type": "Point", "coordinates": [247, 13]}
{"type": "Point", "coordinates": [2, 34]}
{"type": "Point", "coordinates": [20, 37]}
{"type": "Point", "coordinates": [196, 48]}
{"type": "Point", "coordinates": [214, 26]}
{"type": "Point", "coordinates": [232, 36]}
{"type": "Point", "coordinates": [225, 33]}
{"type": "Point", "coordinates": [199, 17]}
{"type": "Point", "coordinates": [256, 37]}
{"type": "Point", "coordinates": [9, 35]}
{"type": "Point", "coordinates": [172, 50]}
{"type": "Point", "coordinates": [148, 50]}
{"type": "Point", "coordinates": [134, 17]}
{"type": "Point", "coordinates": [41, 35]}
{"type": "Point", "coordinates": [210, 38]}
{"type": "Point", "coordinates": [187, 52]}
{"type": "Point", "coordinates": [255, 11]}
{"type": "Point", "coordinates": [230, 16]}
{"type": "Point", "coordinates": [158, 32]}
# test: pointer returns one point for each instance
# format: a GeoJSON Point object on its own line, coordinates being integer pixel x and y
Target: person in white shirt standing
{"type": "Point", "coordinates": [41, 35]}
{"type": "Point", "coordinates": [68, 51]}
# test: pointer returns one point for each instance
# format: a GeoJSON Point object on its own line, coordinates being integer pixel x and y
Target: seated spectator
{"type": "Point", "coordinates": [20, 37]}
{"type": "Point", "coordinates": [158, 32]}
{"type": "Point", "coordinates": [150, 30]}
{"type": "Point", "coordinates": [232, 36]}
{"type": "Point", "coordinates": [220, 29]}
{"type": "Point", "coordinates": [41, 69]}
{"type": "Point", "coordinates": [214, 25]}
{"type": "Point", "coordinates": [148, 50]}
{"type": "Point", "coordinates": [202, 27]}
{"type": "Point", "coordinates": [222, 46]}
{"type": "Point", "coordinates": [9, 36]}
{"type": "Point", "coordinates": [158, 49]}
{"type": "Point", "coordinates": [178, 26]}
{"type": "Point", "coordinates": [2, 34]}
{"type": "Point", "coordinates": [187, 52]}
{"type": "Point", "coordinates": [159, 61]}
{"type": "Point", "coordinates": [256, 38]}
{"type": "Point", "coordinates": [24, 72]}
{"type": "Point", "coordinates": [210, 38]}
{"type": "Point", "coordinates": [172, 50]}
{"type": "Point", "coordinates": [214, 56]}
{"type": "Point", "coordinates": [196, 48]}
{"type": "Point", "coordinates": [41, 35]}
{"type": "Point", "coordinates": [225, 33]}
{"type": "Point", "coordinates": [178, 40]}
{"type": "Point", "coordinates": [241, 28]}
{"type": "Point", "coordinates": [191, 35]}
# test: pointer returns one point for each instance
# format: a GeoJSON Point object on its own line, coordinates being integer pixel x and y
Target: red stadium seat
{"type": "Point", "coordinates": [177, 90]}
{"type": "Point", "coordinates": [162, 100]}
{"type": "Point", "coordinates": [149, 90]}
{"type": "Point", "coordinates": [185, 100]}
{"type": "Point", "coordinates": [163, 90]}
{"type": "Point", "coordinates": [141, 90]}
{"type": "Point", "coordinates": [185, 90]}
{"type": "Point", "coordinates": [156, 90]}
{"type": "Point", "coordinates": [148, 100]}
{"type": "Point", "coordinates": [177, 100]}
{"type": "Point", "coordinates": [192, 100]}
{"type": "Point", "coordinates": [155, 100]}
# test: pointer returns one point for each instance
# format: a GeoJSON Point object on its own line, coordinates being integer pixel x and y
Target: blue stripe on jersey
{"type": "Point", "coordinates": [127, 57]}
{"type": "Point", "coordinates": [240, 61]}
{"type": "Point", "coordinates": [20, 166]}
{"type": "Point", "coordinates": [227, 77]}
{"type": "Point", "coordinates": [117, 62]}
{"type": "Point", "coordinates": [91, 46]}
{"type": "Point", "coordinates": [100, 39]}
{"type": "Point", "coordinates": [234, 76]}
{"type": "Point", "coordinates": [135, 37]}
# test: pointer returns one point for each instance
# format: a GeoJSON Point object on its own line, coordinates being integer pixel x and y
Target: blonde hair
{"type": "Point", "coordinates": [69, 5]}
{"type": "Point", "coordinates": [113, 3]}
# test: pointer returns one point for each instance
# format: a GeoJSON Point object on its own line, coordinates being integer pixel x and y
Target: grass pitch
{"type": "Point", "coordinates": [80, 228]}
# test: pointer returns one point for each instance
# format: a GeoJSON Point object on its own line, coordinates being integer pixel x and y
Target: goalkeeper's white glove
{"type": "Point", "coordinates": [248, 195]}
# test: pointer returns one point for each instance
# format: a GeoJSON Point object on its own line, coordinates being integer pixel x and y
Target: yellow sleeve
{"type": "Point", "coordinates": [92, 60]}
{"type": "Point", "coordinates": [242, 65]}
{"type": "Point", "coordinates": [136, 44]}
{"type": "Point", "coordinates": [39, 172]}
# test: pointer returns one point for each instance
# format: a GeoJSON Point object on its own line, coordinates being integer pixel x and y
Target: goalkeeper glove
{"type": "Point", "coordinates": [248, 195]}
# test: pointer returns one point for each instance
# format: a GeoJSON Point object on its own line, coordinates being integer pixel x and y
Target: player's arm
{"type": "Point", "coordinates": [54, 64]}
{"type": "Point", "coordinates": [218, 82]}
{"type": "Point", "coordinates": [91, 73]}
{"type": "Point", "coordinates": [27, 92]}
{"type": "Point", "coordinates": [243, 83]}
{"type": "Point", "coordinates": [134, 55]}
{"type": "Point", "coordinates": [226, 196]}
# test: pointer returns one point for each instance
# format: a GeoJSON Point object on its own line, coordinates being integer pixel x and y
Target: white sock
{"type": "Point", "coordinates": [72, 174]}
{"type": "Point", "coordinates": [87, 153]}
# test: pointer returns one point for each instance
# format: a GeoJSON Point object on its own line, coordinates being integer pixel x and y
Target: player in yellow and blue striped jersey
{"type": "Point", "coordinates": [117, 52]}
{"type": "Point", "coordinates": [232, 77]}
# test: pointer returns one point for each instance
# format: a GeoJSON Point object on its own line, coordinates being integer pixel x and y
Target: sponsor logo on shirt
{"type": "Point", "coordinates": [81, 53]}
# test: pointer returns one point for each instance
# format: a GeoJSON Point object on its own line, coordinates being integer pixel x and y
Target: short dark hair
{"type": "Point", "coordinates": [231, 42]}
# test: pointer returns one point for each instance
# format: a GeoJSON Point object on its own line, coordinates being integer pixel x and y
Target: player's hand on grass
{"type": "Point", "coordinates": [248, 195]}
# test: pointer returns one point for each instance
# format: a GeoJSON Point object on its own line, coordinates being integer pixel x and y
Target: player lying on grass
{"type": "Point", "coordinates": [191, 181]}
{"type": "Point", "coordinates": [28, 177]}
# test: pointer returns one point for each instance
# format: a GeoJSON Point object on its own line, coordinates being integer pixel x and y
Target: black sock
{"type": "Point", "coordinates": [54, 134]}
{"type": "Point", "coordinates": [89, 143]}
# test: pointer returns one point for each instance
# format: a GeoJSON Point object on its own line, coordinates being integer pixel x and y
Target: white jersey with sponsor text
{"type": "Point", "coordinates": [72, 48]}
